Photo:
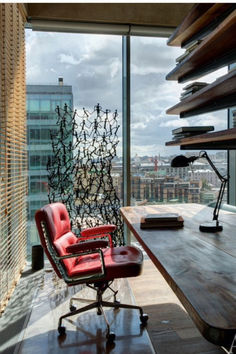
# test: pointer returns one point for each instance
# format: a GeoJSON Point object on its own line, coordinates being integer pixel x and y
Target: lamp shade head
{"type": "Point", "coordinates": [180, 161]}
{"type": "Point", "coordinates": [183, 161]}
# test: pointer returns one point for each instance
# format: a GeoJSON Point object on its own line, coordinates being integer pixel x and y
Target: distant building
{"type": "Point", "coordinates": [205, 175]}
{"type": "Point", "coordinates": [153, 182]}
{"type": "Point", "coordinates": [42, 101]}
{"type": "Point", "coordinates": [161, 189]}
{"type": "Point", "coordinates": [208, 196]}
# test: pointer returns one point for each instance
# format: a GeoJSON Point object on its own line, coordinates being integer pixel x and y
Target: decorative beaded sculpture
{"type": "Point", "coordinates": [80, 168]}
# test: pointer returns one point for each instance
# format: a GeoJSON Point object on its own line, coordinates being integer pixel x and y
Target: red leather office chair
{"type": "Point", "coordinates": [86, 259]}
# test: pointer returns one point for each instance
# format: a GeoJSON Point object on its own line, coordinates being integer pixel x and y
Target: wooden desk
{"type": "Point", "coordinates": [199, 267]}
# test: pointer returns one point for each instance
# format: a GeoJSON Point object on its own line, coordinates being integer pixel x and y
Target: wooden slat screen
{"type": "Point", "coordinates": [13, 156]}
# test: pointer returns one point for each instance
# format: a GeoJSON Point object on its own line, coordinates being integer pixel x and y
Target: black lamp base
{"type": "Point", "coordinates": [211, 227]}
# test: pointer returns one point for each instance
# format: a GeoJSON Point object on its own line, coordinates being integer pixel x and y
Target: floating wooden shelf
{"type": "Point", "coordinates": [221, 140]}
{"type": "Point", "coordinates": [215, 26]}
{"type": "Point", "coordinates": [217, 50]}
{"type": "Point", "coordinates": [199, 18]}
{"type": "Point", "coordinates": [218, 95]}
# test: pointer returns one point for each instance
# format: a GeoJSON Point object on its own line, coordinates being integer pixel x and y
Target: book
{"type": "Point", "coordinates": [161, 221]}
{"type": "Point", "coordinates": [195, 85]}
{"type": "Point", "coordinates": [193, 130]}
{"type": "Point", "coordinates": [182, 57]}
{"type": "Point", "coordinates": [182, 136]}
{"type": "Point", "coordinates": [188, 50]}
{"type": "Point", "coordinates": [191, 89]}
{"type": "Point", "coordinates": [185, 95]}
{"type": "Point", "coordinates": [161, 216]}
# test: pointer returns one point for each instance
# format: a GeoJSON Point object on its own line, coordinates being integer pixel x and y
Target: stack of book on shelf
{"type": "Point", "coordinates": [162, 221]}
{"type": "Point", "coordinates": [191, 89]}
{"type": "Point", "coordinates": [188, 50]}
{"type": "Point", "coordinates": [184, 132]}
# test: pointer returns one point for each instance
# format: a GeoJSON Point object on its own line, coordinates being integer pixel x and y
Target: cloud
{"type": "Point", "coordinates": [92, 64]}
{"type": "Point", "coordinates": [68, 59]}
{"type": "Point", "coordinates": [173, 123]}
{"type": "Point", "coordinates": [152, 55]}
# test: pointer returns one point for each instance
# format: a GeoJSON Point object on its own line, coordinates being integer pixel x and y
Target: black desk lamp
{"type": "Point", "coordinates": [183, 161]}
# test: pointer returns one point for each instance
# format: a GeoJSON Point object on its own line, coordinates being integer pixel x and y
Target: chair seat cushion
{"type": "Point", "coordinates": [124, 261]}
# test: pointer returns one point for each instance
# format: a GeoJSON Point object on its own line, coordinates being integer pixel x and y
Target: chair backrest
{"type": "Point", "coordinates": [54, 228]}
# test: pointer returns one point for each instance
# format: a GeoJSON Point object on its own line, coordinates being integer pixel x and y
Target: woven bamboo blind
{"type": "Point", "coordinates": [13, 157]}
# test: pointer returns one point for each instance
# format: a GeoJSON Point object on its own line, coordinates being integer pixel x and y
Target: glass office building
{"type": "Point", "coordinates": [42, 101]}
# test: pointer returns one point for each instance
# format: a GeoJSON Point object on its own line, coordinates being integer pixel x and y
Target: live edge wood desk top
{"type": "Point", "coordinates": [199, 267]}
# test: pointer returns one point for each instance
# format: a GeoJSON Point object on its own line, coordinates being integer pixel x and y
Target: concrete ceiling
{"type": "Point", "coordinates": [148, 14]}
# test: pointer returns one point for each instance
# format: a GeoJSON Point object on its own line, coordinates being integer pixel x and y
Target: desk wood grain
{"type": "Point", "coordinates": [199, 267]}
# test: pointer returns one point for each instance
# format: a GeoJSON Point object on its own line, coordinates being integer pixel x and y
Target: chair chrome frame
{"type": "Point", "coordinates": [99, 286]}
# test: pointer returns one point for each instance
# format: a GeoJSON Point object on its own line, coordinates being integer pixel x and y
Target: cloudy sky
{"type": "Point", "coordinates": [92, 65]}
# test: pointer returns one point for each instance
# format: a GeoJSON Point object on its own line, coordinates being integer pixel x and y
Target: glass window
{"type": "Point", "coordinates": [35, 134]}
{"type": "Point", "coordinates": [55, 103]}
{"type": "Point", "coordinates": [44, 186]}
{"type": "Point", "coordinates": [34, 161]}
{"type": "Point", "coordinates": [33, 105]}
{"type": "Point", "coordinates": [232, 155]}
{"type": "Point", "coordinates": [44, 160]}
{"type": "Point", "coordinates": [45, 105]}
{"type": "Point", "coordinates": [97, 80]}
{"type": "Point", "coordinates": [151, 128]}
{"type": "Point", "coordinates": [39, 186]}
{"type": "Point", "coordinates": [45, 134]}
{"type": "Point", "coordinates": [34, 187]}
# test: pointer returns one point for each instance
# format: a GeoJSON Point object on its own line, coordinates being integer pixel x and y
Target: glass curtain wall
{"type": "Point", "coordinates": [84, 71]}
{"type": "Point", "coordinates": [41, 123]}
{"type": "Point", "coordinates": [153, 180]}
{"type": "Point", "coordinates": [92, 66]}
{"type": "Point", "coordinates": [232, 154]}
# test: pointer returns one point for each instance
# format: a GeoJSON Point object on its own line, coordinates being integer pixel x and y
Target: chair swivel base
{"type": "Point", "coordinates": [99, 305]}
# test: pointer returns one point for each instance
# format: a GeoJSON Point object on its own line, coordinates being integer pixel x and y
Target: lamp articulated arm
{"type": "Point", "coordinates": [223, 180]}
{"type": "Point", "coordinates": [183, 161]}
{"type": "Point", "coordinates": [203, 154]}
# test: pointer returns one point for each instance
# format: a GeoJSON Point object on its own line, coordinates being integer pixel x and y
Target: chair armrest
{"type": "Point", "coordinates": [97, 232]}
{"type": "Point", "coordinates": [81, 278]}
{"type": "Point", "coordinates": [86, 246]}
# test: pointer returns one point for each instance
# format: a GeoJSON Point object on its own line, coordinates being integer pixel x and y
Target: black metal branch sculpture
{"type": "Point", "coordinates": [80, 168]}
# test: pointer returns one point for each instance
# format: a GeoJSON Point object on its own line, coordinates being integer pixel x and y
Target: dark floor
{"type": "Point", "coordinates": [85, 333]}
{"type": "Point", "coordinates": [16, 315]}
{"type": "Point", "coordinates": [29, 323]}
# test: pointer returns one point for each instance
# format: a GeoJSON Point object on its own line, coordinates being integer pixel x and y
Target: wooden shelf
{"type": "Point", "coordinates": [218, 95]}
{"type": "Point", "coordinates": [199, 18]}
{"type": "Point", "coordinates": [217, 50]}
{"type": "Point", "coordinates": [215, 25]}
{"type": "Point", "coordinates": [221, 140]}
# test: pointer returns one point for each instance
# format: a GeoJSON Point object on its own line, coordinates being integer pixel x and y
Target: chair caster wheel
{"type": "Point", "coordinates": [61, 330]}
{"type": "Point", "coordinates": [72, 308]}
{"type": "Point", "coordinates": [111, 337]}
{"type": "Point", "coordinates": [144, 319]}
